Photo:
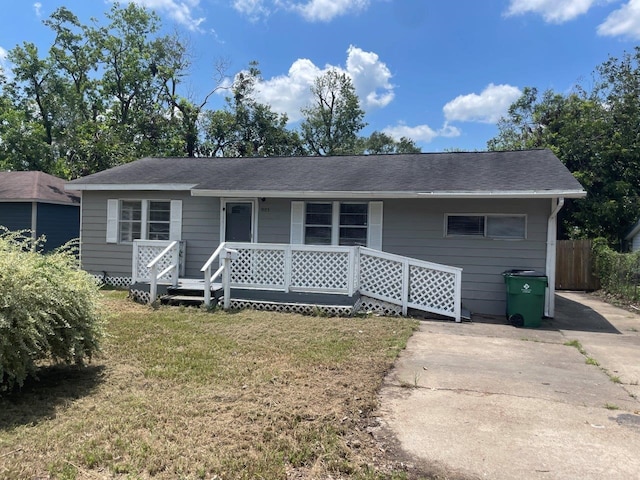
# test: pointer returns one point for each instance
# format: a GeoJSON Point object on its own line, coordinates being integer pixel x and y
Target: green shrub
{"type": "Point", "coordinates": [619, 273]}
{"type": "Point", "coordinates": [48, 308]}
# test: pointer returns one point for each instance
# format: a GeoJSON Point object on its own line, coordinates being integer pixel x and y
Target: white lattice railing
{"type": "Point", "coordinates": [157, 261]}
{"type": "Point", "coordinates": [403, 281]}
{"type": "Point", "coordinates": [411, 283]}
{"type": "Point", "coordinates": [294, 268]}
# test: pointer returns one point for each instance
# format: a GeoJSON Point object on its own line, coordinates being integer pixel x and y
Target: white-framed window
{"type": "Point", "coordinates": [129, 220]}
{"type": "Point", "coordinates": [512, 227]}
{"type": "Point", "coordinates": [354, 222]}
{"type": "Point", "coordinates": [337, 223]}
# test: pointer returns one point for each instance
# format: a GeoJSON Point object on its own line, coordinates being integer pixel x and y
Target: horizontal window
{"type": "Point", "coordinates": [489, 226]}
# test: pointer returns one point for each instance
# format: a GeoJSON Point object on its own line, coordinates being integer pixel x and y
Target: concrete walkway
{"type": "Point", "coordinates": [484, 399]}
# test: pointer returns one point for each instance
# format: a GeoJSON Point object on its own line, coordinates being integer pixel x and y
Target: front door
{"type": "Point", "coordinates": [238, 222]}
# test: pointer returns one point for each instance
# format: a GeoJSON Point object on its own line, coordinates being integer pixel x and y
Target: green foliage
{"type": "Point", "coordinates": [595, 133]}
{"type": "Point", "coordinates": [619, 273]}
{"type": "Point", "coordinates": [332, 122]}
{"type": "Point", "coordinates": [48, 308]}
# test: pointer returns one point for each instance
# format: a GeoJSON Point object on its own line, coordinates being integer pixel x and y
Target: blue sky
{"type": "Point", "coordinates": [438, 71]}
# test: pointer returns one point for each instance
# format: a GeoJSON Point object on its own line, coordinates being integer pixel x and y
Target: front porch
{"type": "Point", "coordinates": [332, 280]}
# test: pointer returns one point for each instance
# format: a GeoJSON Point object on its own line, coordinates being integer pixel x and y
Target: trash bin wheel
{"type": "Point", "coordinates": [516, 320]}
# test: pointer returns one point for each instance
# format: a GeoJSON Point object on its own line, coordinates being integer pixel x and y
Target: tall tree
{"type": "Point", "coordinates": [248, 128]}
{"type": "Point", "coordinates": [332, 123]}
{"type": "Point", "coordinates": [597, 136]}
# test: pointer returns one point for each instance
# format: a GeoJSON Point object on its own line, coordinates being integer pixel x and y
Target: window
{"type": "Point", "coordinates": [336, 223]}
{"type": "Point", "coordinates": [318, 224]}
{"type": "Point", "coordinates": [159, 221]}
{"type": "Point", "coordinates": [353, 224]}
{"type": "Point", "coordinates": [129, 220]}
{"type": "Point", "coordinates": [490, 226]}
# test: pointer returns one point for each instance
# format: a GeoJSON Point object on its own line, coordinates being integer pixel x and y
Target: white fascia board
{"type": "Point", "coordinates": [378, 194]}
{"type": "Point", "coordinates": [130, 186]}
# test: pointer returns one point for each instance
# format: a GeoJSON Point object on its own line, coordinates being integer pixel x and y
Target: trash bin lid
{"type": "Point", "coordinates": [523, 273]}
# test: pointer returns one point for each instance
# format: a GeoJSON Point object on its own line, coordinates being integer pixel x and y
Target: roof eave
{"type": "Point", "coordinates": [130, 186]}
{"type": "Point", "coordinates": [201, 192]}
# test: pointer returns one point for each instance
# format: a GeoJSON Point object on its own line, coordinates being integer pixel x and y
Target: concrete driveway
{"type": "Point", "coordinates": [483, 399]}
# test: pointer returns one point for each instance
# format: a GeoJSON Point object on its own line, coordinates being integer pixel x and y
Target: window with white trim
{"type": "Point", "coordinates": [129, 220]}
{"type": "Point", "coordinates": [159, 220]}
{"type": "Point", "coordinates": [336, 223]}
{"type": "Point", "coordinates": [512, 227]}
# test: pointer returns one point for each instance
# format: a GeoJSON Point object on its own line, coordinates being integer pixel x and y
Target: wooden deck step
{"type": "Point", "coordinates": [192, 300]}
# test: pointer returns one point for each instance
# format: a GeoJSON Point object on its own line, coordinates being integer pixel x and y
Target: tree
{"type": "Point", "coordinates": [332, 122]}
{"type": "Point", "coordinates": [380, 143]}
{"type": "Point", "coordinates": [596, 134]}
{"type": "Point", "coordinates": [248, 128]}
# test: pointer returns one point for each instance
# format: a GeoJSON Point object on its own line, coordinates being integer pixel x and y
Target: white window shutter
{"type": "Point", "coordinates": [112, 220]}
{"type": "Point", "coordinates": [175, 228]}
{"type": "Point", "coordinates": [374, 234]}
{"type": "Point", "coordinates": [297, 223]}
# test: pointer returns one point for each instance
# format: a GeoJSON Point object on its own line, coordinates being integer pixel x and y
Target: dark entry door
{"type": "Point", "coordinates": [238, 222]}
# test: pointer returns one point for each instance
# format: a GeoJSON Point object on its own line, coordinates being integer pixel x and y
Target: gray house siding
{"type": "Point", "coordinates": [416, 228]}
{"type": "Point", "coordinates": [274, 220]}
{"type": "Point", "coordinates": [59, 223]}
{"type": "Point", "coordinates": [200, 230]}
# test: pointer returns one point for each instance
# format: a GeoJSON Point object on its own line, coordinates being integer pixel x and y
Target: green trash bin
{"type": "Point", "coordinates": [525, 297]}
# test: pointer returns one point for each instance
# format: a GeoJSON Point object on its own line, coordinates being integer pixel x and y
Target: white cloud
{"type": "Point", "coordinates": [553, 11]}
{"type": "Point", "coordinates": [179, 10]}
{"type": "Point", "coordinates": [324, 10]}
{"type": "Point", "coordinates": [487, 107]}
{"type": "Point", "coordinates": [38, 8]}
{"type": "Point", "coordinates": [624, 21]}
{"type": "Point", "coordinates": [291, 92]}
{"type": "Point", "coordinates": [421, 133]}
{"type": "Point", "coordinates": [371, 77]}
{"type": "Point", "coordinates": [310, 10]}
{"type": "Point", "coordinates": [254, 9]}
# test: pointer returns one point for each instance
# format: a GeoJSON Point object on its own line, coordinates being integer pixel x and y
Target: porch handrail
{"type": "Point", "coordinates": [226, 255]}
{"type": "Point", "coordinates": [153, 267]}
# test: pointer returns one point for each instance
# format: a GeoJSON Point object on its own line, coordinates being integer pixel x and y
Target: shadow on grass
{"type": "Point", "coordinates": [38, 399]}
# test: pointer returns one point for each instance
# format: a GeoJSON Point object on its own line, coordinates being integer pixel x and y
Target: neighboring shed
{"type": "Point", "coordinates": [38, 202]}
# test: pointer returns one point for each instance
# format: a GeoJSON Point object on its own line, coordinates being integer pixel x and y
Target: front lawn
{"type": "Point", "coordinates": [185, 393]}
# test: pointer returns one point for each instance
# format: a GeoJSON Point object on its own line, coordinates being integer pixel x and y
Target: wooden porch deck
{"type": "Point", "coordinates": [190, 292]}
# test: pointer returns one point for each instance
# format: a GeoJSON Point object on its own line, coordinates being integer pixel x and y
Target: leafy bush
{"type": "Point", "coordinates": [619, 273]}
{"type": "Point", "coordinates": [48, 308]}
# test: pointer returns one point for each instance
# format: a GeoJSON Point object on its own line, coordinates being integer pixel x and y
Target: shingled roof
{"type": "Point", "coordinates": [34, 187]}
{"type": "Point", "coordinates": [509, 174]}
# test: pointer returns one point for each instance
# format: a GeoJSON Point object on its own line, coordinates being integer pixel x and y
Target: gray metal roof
{"type": "Point", "coordinates": [458, 173]}
{"type": "Point", "coordinates": [35, 187]}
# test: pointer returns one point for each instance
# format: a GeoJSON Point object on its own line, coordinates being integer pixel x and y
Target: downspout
{"type": "Point", "coordinates": [550, 267]}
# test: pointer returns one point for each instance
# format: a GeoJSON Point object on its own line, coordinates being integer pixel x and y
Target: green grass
{"type": "Point", "coordinates": [186, 393]}
{"type": "Point", "coordinates": [576, 344]}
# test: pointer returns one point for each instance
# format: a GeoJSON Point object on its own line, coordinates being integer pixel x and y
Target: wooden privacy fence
{"type": "Point", "coordinates": [574, 266]}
